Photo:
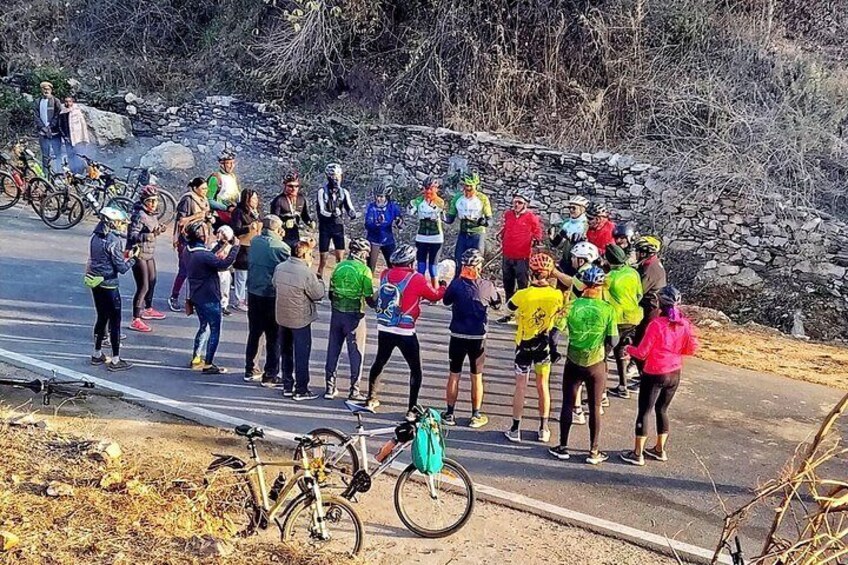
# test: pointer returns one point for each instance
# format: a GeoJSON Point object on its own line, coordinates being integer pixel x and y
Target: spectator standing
{"type": "Point", "coordinates": [192, 207]}
{"type": "Point", "coordinates": [143, 231]}
{"type": "Point", "coordinates": [46, 111]}
{"type": "Point", "coordinates": [521, 231]}
{"type": "Point", "coordinates": [246, 224]}
{"type": "Point", "coordinates": [74, 133]}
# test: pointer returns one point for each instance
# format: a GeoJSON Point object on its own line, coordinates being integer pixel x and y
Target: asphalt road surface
{"type": "Point", "coordinates": [733, 427]}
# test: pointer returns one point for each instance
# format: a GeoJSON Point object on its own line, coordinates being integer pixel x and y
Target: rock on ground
{"type": "Point", "coordinates": [107, 127]}
{"type": "Point", "coordinates": [169, 156]}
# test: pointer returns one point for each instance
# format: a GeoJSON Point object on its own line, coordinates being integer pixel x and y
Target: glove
{"type": "Point", "coordinates": [353, 214]}
{"type": "Point", "coordinates": [483, 221]}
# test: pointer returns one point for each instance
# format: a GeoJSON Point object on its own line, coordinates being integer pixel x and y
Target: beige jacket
{"type": "Point", "coordinates": [298, 289]}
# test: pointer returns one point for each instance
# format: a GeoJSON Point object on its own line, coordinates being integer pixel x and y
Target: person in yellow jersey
{"type": "Point", "coordinates": [624, 292]}
{"type": "Point", "coordinates": [535, 310]}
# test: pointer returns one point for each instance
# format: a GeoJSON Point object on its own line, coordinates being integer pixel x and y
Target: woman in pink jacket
{"type": "Point", "coordinates": [667, 339]}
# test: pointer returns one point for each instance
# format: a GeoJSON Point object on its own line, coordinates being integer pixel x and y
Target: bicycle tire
{"type": "Point", "coordinates": [10, 193]}
{"type": "Point", "coordinates": [333, 437]}
{"type": "Point", "coordinates": [121, 203]}
{"type": "Point", "coordinates": [233, 496]}
{"type": "Point", "coordinates": [462, 475]}
{"type": "Point", "coordinates": [167, 210]}
{"type": "Point", "coordinates": [38, 189]}
{"type": "Point", "coordinates": [60, 205]}
{"type": "Point", "coordinates": [331, 504]}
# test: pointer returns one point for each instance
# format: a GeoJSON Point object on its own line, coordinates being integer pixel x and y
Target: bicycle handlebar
{"type": "Point", "coordinates": [50, 387]}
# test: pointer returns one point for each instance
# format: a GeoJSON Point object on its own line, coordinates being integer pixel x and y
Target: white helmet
{"type": "Point", "coordinates": [114, 215]}
{"type": "Point", "coordinates": [585, 250]}
{"type": "Point", "coordinates": [579, 201]}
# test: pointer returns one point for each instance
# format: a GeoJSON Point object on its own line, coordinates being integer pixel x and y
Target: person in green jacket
{"type": "Point", "coordinates": [474, 211]}
{"type": "Point", "coordinates": [351, 287]}
{"type": "Point", "coordinates": [624, 291]}
{"type": "Point", "coordinates": [223, 191]}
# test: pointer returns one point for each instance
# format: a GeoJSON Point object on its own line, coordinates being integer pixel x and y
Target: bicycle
{"type": "Point", "coordinates": [448, 496]}
{"type": "Point", "coordinates": [48, 388]}
{"type": "Point", "coordinates": [25, 180]}
{"type": "Point", "coordinates": [167, 208]}
{"type": "Point", "coordinates": [309, 518]}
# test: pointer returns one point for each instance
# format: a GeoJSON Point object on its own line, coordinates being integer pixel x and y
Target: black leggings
{"type": "Point", "coordinates": [408, 345]}
{"type": "Point", "coordinates": [594, 378]}
{"type": "Point", "coordinates": [656, 392]}
{"type": "Point", "coordinates": [144, 273]}
{"type": "Point", "coordinates": [107, 302]}
{"type": "Point", "coordinates": [625, 338]}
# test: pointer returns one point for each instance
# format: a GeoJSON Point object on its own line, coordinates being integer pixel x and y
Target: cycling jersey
{"type": "Point", "coordinates": [520, 232]}
{"type": "Point", "coordinates": [536, 308]}
{"type": "Point", "coordinates": [664, 345]}
{"type": "Point", "coordinates": [590, 322]}
{"type": "Point", "coordinates": [470, 212]}
{"type": "Point", "coordinates": [469, 301]}
{"type": "Point", "coordinates": [350, 283]}
{"type": "Point", "coordinates": [624, 293]}
{"type": "Point", "coordinates": [380, 221]}
{"type": "Point", "coordinates": [601, 236]}
{"type": "Point", "coordinates": [429, 214]}
{"type": "Point", "coordinates": [223, 190]}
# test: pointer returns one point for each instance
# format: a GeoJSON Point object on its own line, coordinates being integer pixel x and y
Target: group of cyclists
{"type": "Point", "coordinates": [605, 295]}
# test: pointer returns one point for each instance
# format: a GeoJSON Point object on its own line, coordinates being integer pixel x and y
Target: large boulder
{"type": "Point", "coordinates": [107, 127]}
{"type": "Point", "coordinates": [169, 156]}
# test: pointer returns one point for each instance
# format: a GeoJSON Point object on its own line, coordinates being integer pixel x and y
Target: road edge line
{"type": "Point", "coordinates": [559, 514]}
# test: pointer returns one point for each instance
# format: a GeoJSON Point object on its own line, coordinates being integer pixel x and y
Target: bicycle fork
{"type": "Point", "coordinates": [319, 516]}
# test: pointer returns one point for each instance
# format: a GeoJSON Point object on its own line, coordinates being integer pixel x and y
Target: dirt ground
{"type": "Point", "coordinates": [160, 451]}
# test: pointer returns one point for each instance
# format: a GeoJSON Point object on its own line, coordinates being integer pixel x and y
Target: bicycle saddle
{"type": "Point", "coordinates": [358, 408]}
{"type": "Point", "coordinates": [250, 432]}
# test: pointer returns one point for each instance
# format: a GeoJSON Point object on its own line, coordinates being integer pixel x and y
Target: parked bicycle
{"type": "Point", "coordinates": [54, 387]}
{"type": "Point", "coordinates": [324, 524]}
{"type": "Point", "coordinates": [137, 178]}
{"type": "Point", "coordinates": [432, 506]}
{"type": "Point", "coordinates": [22, 177]}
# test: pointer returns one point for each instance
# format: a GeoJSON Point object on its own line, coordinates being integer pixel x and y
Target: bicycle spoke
{"type": "Point", "coordinates": [341, 533]}
{"type": "Point", "coordinates": [434, 505]}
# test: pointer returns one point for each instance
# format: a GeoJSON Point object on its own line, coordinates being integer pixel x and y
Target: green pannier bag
{"type": "Point", "coordinates": [428, 447]}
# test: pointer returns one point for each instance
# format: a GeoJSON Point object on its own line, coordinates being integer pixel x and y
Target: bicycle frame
{"type": "Point", "coordinates": [359, 437]}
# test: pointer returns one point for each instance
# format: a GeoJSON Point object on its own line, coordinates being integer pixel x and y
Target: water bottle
{"type": "Point", "coordinates": [386, 450]}
{"type": "Point", "coordinates": [277, 487]}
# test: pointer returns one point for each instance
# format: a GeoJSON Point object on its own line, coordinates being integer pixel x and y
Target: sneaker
{"type": "Point", "coordinates": [196, 363]}
{"type": "Point", "coordinates": [301, 396]}
{"type": "Point", "coordinates": [621, 391]}
{"type": "Point", "coordinates": [604, 401]}
{"type": "Point", "coordinates": [98, 360]}
{"type": "Point", "coordinates": [596, 458]}
{"type": "Point", "coordinates": [632, 458]}
{"type": "Point", "coordinates": [152, 314]}
{"type": "Point", "coordinates": [213, 369]}
{"type": "Point", "coordinates": [448, 419]}
{"type": "Point", "coordinates": [560, 452]}
{"type": "Point", "coordinates": [174, 304]}
{"type": "Point", "coordinates": [631, 371]}
{"type": "Point", "coordinates": [544, 436]}
{"type": "Point", "coordinates": [513, 436]}
{"type": "Point", "coordinates": [330, 393]}
{"type": "Point", "coordinates": [269, 383]}
{"type": "Point", "coordinates": [356, 396]}
{"type": "Point", "coordinates": [506, 319]}
{"type": "Point", "coordinates": [225, 311]}
{"type": "Point", "coordinates": [478, 421]}
{"type": "Point", "coordinates": [288, 393]}
{"type": "Point", "coordinates": [242, 306]}
{"type": "Point", "coordinates": [119, 365]}
{"type": "Point", "coordinates": [138, 325]}
{"type": "Point", "coordinates": [107, 341]}
{"type": "Point", "coordinates": [578, 418]}
{"type": "Point", "coordinates": [658, 455]}
{"type": "Point", "coordinates": [372, 403]}
{"type": "Point", "coordinates": [252, 376]}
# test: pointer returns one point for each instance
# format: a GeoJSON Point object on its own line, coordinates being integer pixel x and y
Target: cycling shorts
{"type": "Point", "coordinates": [474, 349]}
{"type": "Point", "coordinates": [328, 233]}
{"type": "Point", "coordinates": [532, 352]}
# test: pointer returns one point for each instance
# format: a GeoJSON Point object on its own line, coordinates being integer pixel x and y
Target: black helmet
{"type": "Point", "coordinates": [405, 431]}
{"type": "Point", "coordinates": [403, 255]}
{"type": "Point", "coordinates": [292, 177]}
{"type": "Point", "coordinates": [576, 237]}
{"type": "Point", "coordinates": [359, 246]}
{"type": "Point", "coordinates": [472, 258]}
{"type": "Point", "coordinates": [596, 209]}
{"type": "Point", "coordinates": [196, 231]}
{"type": "Point", "coordinates": [383, 190]}
{"type": "Point", "coordinates": [624, 230]}
{"type": "Point", "coordinates": [669, 296]}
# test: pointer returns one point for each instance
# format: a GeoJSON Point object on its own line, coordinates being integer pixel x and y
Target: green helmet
{"type": "Point", "coordinates": [471, 178]}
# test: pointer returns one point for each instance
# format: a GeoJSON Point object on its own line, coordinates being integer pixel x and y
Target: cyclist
{"type": "Point", "coordinates": [535, 310]}
{"type": "Point", "coordinates": [591, 325]}
{"type": "Point", "coordinates": [192, 207]}
{"type": "Point", "coordinates": [143, 231]}
{"type": "Point", "coordinates": [625, 236]}
{"type": "Point", "coordinates": [469, 297]}
{"type": "Point", "coordinates": [333, 201]}
{"type": "Point", "coordinates": [667, 339]}
{"type": "Point", "coordinates": [381, 217]}
{"type": "Point", "coordinates": [624, 291]}
{"type": "Point", "coordinates": [398, 307]}
{"type": "Point", "coordinates": [429, 210]}
{"type": "Point", "coordinates": [474, 211]}
{"type": "Point", "coordinates": [522, 230]}
{"type": "Point", "coordinates": [205, 293]}
{"type": "Point", "coordinates": [223, 188]}
{"type": "Point", "coordinates": [576, 223]}
{"type": "Point", "coordinates": [600, 227]}
{"type": "Point", "coordinates": [351, 287]}
{"type": "Point", "coordinates": [292, 208]}
{"type": "Point", "coordinates": [654, 278]}
{"type": "Point", "coordinates": [107, 260]}
{"type": "Point", "coordinates": [247, 224]}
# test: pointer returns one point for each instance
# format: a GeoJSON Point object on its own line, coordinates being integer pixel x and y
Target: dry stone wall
{"type": "Point", "coordinates": [758, 260]}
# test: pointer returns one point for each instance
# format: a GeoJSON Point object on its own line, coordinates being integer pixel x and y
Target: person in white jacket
{"type": "Point", "coordinates": [74, 132]}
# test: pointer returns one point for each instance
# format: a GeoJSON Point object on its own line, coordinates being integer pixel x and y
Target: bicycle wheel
{"type": "Point", "coordinates": [38, 189]}
{"type": "Point", "coordinates": [343, 525]}
{"type": "Point", "coordinates": [435, 506]}
{"type": "Point", "coordinates": [121, 203]}
{"type": "Point", "coordinates": [9, 191]}
{"type": "Point", "coordinates": [167, 208]}
{"type": "Point", "coordinates": [230, 497]}
{"type": "Point", "coordinates": [62, 210]}
{"type": "Point", "coordinates": [339, 460]}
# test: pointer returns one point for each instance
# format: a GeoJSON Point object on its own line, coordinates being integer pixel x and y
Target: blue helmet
{"type": "Point", "coordinates": [593, 276]}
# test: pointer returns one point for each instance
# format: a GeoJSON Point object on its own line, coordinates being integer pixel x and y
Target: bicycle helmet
{"type": "Point", "coordinates": [471, 178]}
{"type": "Point", "coordinates": [593, 276]}
{"type": "Point", "coordinates": [472, 258]}
{"type": "Point", "coordinates": [333, 170]}
{"type": "Point", "coordinates": [226, 155]}
{"type": "Point", "coordinates": [648, 244]}
{"type": "Point", "coordinates": [196, 231]}
{"type": "Point", "coordinates": [624, 230]}
{"type": "Point", "coordinates": [383, 190]}
{"type": "Point", "coordinates": [433, 182]}
{"type": "Point", "coordinates": [113, 216]}
{"type": "Point", "coordinates": [524, 195]}
{"type": "Point", "coordinates": [403, 255]}
{"type": "Point", "coordinates": [585, 250]}
{"type": "Point", "coordinates": [542, 264]}
{"type": "Point", "coordinates": [578, 201]}
{"type": "Point", "coordinates": [359, 246]}
{"type": "Point", "coordinates": [669, 296]}
{"type": "Point", "coordinates": [597, 210]}
{"type": "Point", "coordinates": [148, 192]}
{"type": "Point", "coordinates": [292, 177]}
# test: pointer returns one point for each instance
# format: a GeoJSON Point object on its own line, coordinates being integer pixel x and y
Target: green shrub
{"type": "Point", "coordinates": [15, 113]}
{"type": "Point", "coordinates": [55, 75]}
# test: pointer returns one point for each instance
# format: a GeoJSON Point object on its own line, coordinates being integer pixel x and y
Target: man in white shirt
{"type": "Point", "coordinates": [47, 110]}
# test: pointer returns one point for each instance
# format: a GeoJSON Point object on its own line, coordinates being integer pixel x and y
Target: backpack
{"type": "Point", "coordinates": [428, 447]}
{"type": "Point", "coordinates": [389, 300]}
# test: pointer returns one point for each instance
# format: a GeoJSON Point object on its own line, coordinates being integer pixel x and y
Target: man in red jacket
{"type": "Point", "coordinates": [600, 227]}
{"type": "Point", "coordinates": [521, 231]}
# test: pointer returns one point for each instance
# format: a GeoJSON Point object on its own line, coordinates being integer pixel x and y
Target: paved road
{"type": "Point", "coordinates": [739, 425]}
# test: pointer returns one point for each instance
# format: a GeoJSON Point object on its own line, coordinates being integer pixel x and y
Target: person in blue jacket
{"type": "Point", "coordinates": [381, 217]}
